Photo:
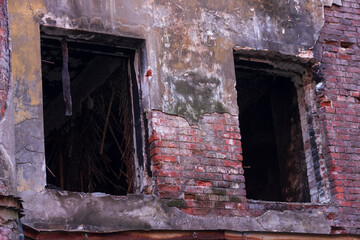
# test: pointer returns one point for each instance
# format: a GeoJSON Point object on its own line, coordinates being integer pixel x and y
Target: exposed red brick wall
{"type": "Point", "coordinates": [339, 101]}
{"type": "Point", "coordinates": [198, 167]}
{"type": "Point", "coordinates": [5, 233]}
{"type": "Point", "coordinates": [9, 230]}
{"type": "Point", "coordinates": [4, 57]}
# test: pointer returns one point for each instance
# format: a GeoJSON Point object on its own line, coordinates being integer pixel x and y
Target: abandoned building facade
{"type": "Point", "coordinates": [190, 115]}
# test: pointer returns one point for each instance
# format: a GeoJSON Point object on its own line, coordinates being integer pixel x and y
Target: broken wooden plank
{"type": "Point", "coordinates": [66, 78]}
{"type": "Point", "coordinates": [79, 90]}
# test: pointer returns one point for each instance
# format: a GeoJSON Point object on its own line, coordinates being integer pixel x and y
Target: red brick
{"type": "Point", "coordinates": [168, 188]}
{"type": "Point", "coordinates": [235, 164]}
{"type": "Point", "coordinates": [162, 158]}
{"type": "Point", "coordinates": [199, 169]}
{"type": "Point", "coordinates": [218, 127]}
{"type": "Point", "coordinates": [203, 183]}
{"type": "Point", "coordinates": [167, 144]}
{"type": "Point", "coordinates": [2, 32]}
{"type": "Point", "coordinates": [193, 189]}
{"type": "Point", "coordinates": [163, 173]}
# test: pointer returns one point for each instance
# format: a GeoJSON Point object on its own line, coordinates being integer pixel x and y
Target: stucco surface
{"type": "Point", "coordinates": [189, 48]}
{"type": "Point", "coordinates": [182, 38]}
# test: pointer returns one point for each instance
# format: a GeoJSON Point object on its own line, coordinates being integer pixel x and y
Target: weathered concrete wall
{"type": "Point", "coordinates": [8, 218]}
{"type": "Point", "coordinates": [100, 212]}
{"type": "Point", "coordinates": [7, 161]}
{"type": "Point", "coordinates": [191, 42]}
{"type": "Point", "coordinates": [189, 48]}
{"type": "Point", "coordinates": [30, 157]}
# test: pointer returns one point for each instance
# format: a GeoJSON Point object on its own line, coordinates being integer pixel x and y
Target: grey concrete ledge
{"type": "Point", "coordinates": [63, 210]}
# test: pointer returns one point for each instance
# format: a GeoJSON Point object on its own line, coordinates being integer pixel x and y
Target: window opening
{"type": "Point", "coordinates": [271, 134]}
{"type": "Point", "coordinates": [91, 151]}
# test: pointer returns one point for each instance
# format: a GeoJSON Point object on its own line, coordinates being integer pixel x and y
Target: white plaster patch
{"type": "Point", "coordinates": [43, 166]}
{"type": "Point", "coordinates": [256, 27]}
{"type": "Point", "coordinates": [99, 194]}
{"type": "Point", "coordinates": [319, 86]}
{"type": "Point", "coordinates": [329, 3]}
{"type": "Point", "coordinates": [6, 155]}
{"type": "Point", "coordinates": [225, 32]}
{"type": "Point", "coordinates": [64, 22]}
{"type": "Point", "coordinates": [112, 12]}
{"type": "Point", "coordinates": [268, 24]}
{"type": "Point", "coordinates": [305, 54]}
{"type": "Point", "coordinates": [194, 36]}
{"type": "Point", "coordinates": [209, 33]}
{"type": "Point", "coordinates": [161, 14]}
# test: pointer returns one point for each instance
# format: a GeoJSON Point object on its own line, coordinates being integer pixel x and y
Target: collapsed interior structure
{"type": "Point", "coordinates": [91, 150]}
{"type": "Point", "coordinates": [179, 119]}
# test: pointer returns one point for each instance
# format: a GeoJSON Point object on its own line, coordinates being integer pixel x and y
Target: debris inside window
{"type": "Point", "coordinates": [92, 150]}
{"type": "Point", "coordinates": [273, 151]}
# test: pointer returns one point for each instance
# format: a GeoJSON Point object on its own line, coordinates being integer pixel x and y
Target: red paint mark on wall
{"type": "Point", "coordinates": [148, 76]}
{"type": "Point", "coordinates": [148, 73]}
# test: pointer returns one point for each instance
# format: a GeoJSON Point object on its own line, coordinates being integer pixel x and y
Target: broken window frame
{"type": "Point", "coordinates": [136, 67]}
{"type": "Point", "coordinates": [299, 71]}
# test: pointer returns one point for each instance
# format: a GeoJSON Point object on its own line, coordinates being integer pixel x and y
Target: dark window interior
{"type": "Point", "coordinates": [271, 135]}
{"type": "Point", "coordinates": [92, 150]}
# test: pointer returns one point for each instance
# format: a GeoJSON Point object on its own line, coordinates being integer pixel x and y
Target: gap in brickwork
{"type": "Point", "coordinates": [273, 151]}
{"type": "Point", "coordinates": [92, 150]}
{"type": "Point", "coordinates": [346, 44]}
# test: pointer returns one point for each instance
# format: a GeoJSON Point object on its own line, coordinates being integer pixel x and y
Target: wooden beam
{"type": "Point", "coordinates": [66, 78]}
{"type": "Point", "coordinates": [92, 77]}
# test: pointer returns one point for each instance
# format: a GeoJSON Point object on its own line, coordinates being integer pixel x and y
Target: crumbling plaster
{"type": "Point", "coordinates": [7, 141]}
{"type": "Point", "coordinates": [29, 147]}
{"type": "Point", "coordinates": [190, 36]}
{"type": "Point", "coordinates": [8, 213]}
{"type": "Point", "coordinates": [7, 151]}
{"type": "Point", "coordinates": [329, 3]}
{"type": "Point", "coordinates": [189, 48]}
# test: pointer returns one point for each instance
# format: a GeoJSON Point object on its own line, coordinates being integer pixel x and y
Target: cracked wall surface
{"type": "Point", "coordinates": [149, 212]}
{"type": "Point", "coordinates": [193, 37]}
{"type": "Point", "coordinates": [27, 99]}
{"type": "Point", "coordinates": [8, 218]}
{"type": "Point", "coordinates": [185, 44]}
{"type": "Point", "coordinates": [7, 169]}
{"type": "Point", "coordinates": [189, 50]}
